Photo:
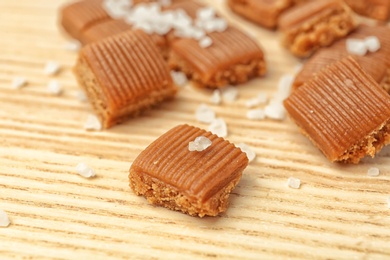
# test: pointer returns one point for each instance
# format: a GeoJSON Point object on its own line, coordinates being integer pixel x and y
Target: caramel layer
{"type": "Point", "coordinates": [197, 176]}
{"type": "Point", "coordinates": [377, 9]}
{"type": "Point", "coordinates": [343, 111]}
{"type": "Point", "coordinates": [376, 64]}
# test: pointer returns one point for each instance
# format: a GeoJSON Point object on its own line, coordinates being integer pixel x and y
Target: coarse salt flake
{"type": "Point", "coordinates": [372, 43]}
{"type": "Point", "coordinates": [81, 96]}
{"type": "Point", "coordinates": [51, 68]}
{"type": "Point", "coordinates": [294, 183]}
{"type": "Point", "coordinates": [200, 143]}
{"type": "Point", "coordinates": [247, 150]}
{"type": "Point", "coordinates": [84, 170]}
{"type": "Point", "coordinates": [373, 172]}
{"type": "Point", "coordinates": [356, 46]}
{"type": "Point", "coordinates": [255, 114]}
{"type": "Point", "coordinates": [205, 42]}
{"type": "Point", "coordinates": [54, 87]}
{"type": "Point", "coordinates": [204, 114]}
{"type": "Point", "coordinates": [229, 94]}
{"type": "Point", "coordinates": [179, 78]}
{"type": "Point", "coordinates": [19, 82]}
{"type": "Point", "coordinates": [73, 45]}
{"type": "Point", "coordinates": [275, 110]}
{"type": "Point", "coordinates": [205, 13]}
{"type": "Point", "coordinates": [259, 100]}
{"type": "Point", "coordinates": [218, 127]}
{"type": "Point", "coordinates": [4, 220]}
{"type": "Point", "coordinates": [216, 97]}
{"type": "Point", "coordinates": [92, 123]}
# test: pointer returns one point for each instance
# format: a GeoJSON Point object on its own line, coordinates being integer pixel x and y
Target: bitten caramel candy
{"type": "Point", "coordinates": [123, 75]}
{"type": "Point", "coordinates": [196, 183]}
{"type": "Point", "coordinates": [263, 12]}
{"type": "Point", "coordinates": [309, 26]}
{"type": "Point", "coordinates": [343, 111]}
{"type": "Point", "coordinates": [79, 16]}
{"type": "Point", "coordinates": [377, 9]}
{"type": "Point", "coordinates": [376, 64]}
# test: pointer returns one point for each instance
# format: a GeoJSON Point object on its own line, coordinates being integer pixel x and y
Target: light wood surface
{"type": "Point", "coordinates": [338, 213]}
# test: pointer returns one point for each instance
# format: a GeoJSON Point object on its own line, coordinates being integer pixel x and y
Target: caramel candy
{"type": "Point", "coordinates": [79, 16]}
{"type": "Point", "coordinates": [377, 9]}
{"type": "Point", "coordinates": [123, 75]}
{"type": "Point", "coordinates": [309, 26]}
{"type": "Point", "coordinates": [196, 183]}
{"type": "Point", "coordinates": [343, 111]}
{"type": "Point", "coordinates": [263, 12]}
{"type": "Point", "coordinates": [377, 64]}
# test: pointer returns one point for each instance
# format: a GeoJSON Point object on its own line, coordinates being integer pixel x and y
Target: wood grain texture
{"type": "Point", "coordinates": [339, 212]}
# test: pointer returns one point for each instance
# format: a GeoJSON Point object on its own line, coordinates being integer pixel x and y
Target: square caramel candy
{"type": "Point", "coordinates": [343, 111]}
{"type": "Point", "coordinates": [123, 75]}
{"type": "Point", "coordinates": [198, 183]}
{"type": "Point", "coordinates": [262, 12]}
{"type": "Point", "coordinates": [376, 9]}
{"type": "Point", "coordinates": [376, 64]}
{"type": "Point", "coordinates": [315, 24]}
{"type": "Point", "coordinates": [79, 16]}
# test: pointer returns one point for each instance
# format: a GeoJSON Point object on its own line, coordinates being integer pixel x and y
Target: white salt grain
{"type": "Point", "coordinates": [4, 220]}
{"type": "Point", "coordinates": [294, 183]}
{"type": "Point", "coordinates": [229, 94]}
{"type": "Point", "coordinates": [54, 87]}
{"type": "Point", "coordinates": [81, 96]}
{"type": "Point", "coordinates": [19, 82]}
{"type": "Point", "coordinates": [255, 114]}
{"type": "Point", "coordinates": [218, 127]}
{"type": "Point", "coordinates": [200, 143]}
{"type": "Point", "coordinates": [205, 42]}
{"type": "Point", "coordinates": [92, 123]}
{"type": "Point", "coordinates": [259, 100]}
{"type": "Point", "coordinates": [372, 43]}
{"type": "Point", "coordinates": [373, 172]}
{"type": "Point", "coordinates": [179, 78]}
{"type": "Point", "coordinates": [204, 114]}
{"type": "Point", "coordinates": [73, 45]}
{"type": "Point", "coordinates": [356, 46]}
{"type": "Point", "coordinates": [205, 13]}
{"type": "Point", "coordinates": [246, 149]}
{"type": "Point", "coordinates": [216, 97]}
{"type": "Point", "coordinates": [275, 110]}
{"type": "Point", "coordinates": [84, 170]}
{"type": "Point", "coordinates": [51, 68]}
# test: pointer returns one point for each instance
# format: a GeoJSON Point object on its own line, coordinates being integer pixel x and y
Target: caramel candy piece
{"type": "Point", "coordinates": [377, 9]}
{"type": "Point", "coordinates": [79, 16]}
{"type": "Point", "coordinates": [196, 183]}
{"type": "Point", "coordinates": [343, 111]}
{"type": "Point", "coordinates": [123, 75]}
{"type": "Point", "coordinates": [377, 64]}
{"type": "Point", "coordinates": [309, 26]}
{"type": "Point", "coordinates": [263, 12]}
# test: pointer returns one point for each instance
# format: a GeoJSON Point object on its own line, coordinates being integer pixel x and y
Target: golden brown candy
{"type": "Point", "coordinates": [123, 75]}
{"type": "Point", "coordinates": [263, 12]}
{"type": "Point", "coordinates": [196, 183]}
{"type": "Point", "coordinates": [314, 24]}
{"type": "Point", "coordinates": [377, 9]}
{"type": "Point", "coordinates": [343, 111]}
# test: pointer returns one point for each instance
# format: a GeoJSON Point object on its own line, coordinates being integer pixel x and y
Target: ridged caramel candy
{"type": "Point", "coordinates": [343, 111]}
{"type": "Point", "coordinates": [123, 75]}
{"type": "Point", "coordinates": [377, 64]}
{"type": "Point", "coordinates": [377, 9]}
{"type": "Point", "coordinates": [79, 16]}
{"type": "Point", "coordinates": [314, 24]}
{"type": "Point", "coordinates": [262, 12]}
{"type": "Point", "coordinates": [196, 183]}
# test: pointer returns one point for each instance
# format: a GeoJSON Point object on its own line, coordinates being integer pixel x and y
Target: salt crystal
{"type": "Point", "coordinates": [218, 127]}
{"type": "Point", "coordinates": [200, 143]}
{"type": "Point", "coordinates": [205, 13]}
{"type": "Point", "coordinates": [246, 149]}
{"type": "Point", "coordinates": [179, 78]}
{"type": "Point", "coordinates": [73, 45]}
{"type": "Point", "coordinates": [260, 99]}
{"type": "Point", "coordinates": [51, 68]}
{"type": "Point", "coordinates": [4, 220]}
{"type": "Point", "coordinates": [372, 43]}
{"type": "Point", "coordinates": [216, 97]}
{"type": "Point", "coordinates": [144, 26]}
{"type": "Point", "coordinates": [205, 42]}
{"type": "Point", "coordinates": [54, 87]}
{"type": "Point", "coordinates": [255, 114]}
{"type": "Point", "coordinates": [19, 82]}
{"type": "Point", "coordinates": [298, 68]}
{"type": "Point", "coordinates": [294, 183]}
{"type": "Point", "coordinates": [284, 86]}
{"type": "Point", "coordinates": [275, 110]}
{"type": "Point", "coordinates": [81, 96]}
{"type": "Point", "coordinates": [92, 123]}
{"type": "Point", "coordinates": [84, 170]}
{"type": "Point", "coordinates": [229, 94]}
{"type": "Point", "coordinates": [204, 114]}
{"type": "Point", "coordinates": [357, 47]}
{"type": "Point", "coordinates": [373, 172]}
{"type": "Point", "coordinates": [220, 24]}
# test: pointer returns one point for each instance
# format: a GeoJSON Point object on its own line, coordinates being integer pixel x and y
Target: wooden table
{"type": "Point", "coordinates": [339, 212]}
